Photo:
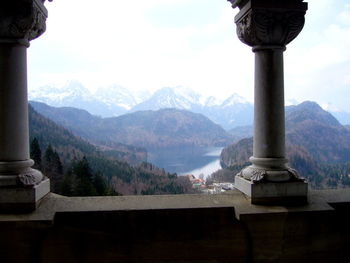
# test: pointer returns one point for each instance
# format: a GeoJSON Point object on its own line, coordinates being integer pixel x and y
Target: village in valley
{"type": "Point", "coordinates": [209, 188]}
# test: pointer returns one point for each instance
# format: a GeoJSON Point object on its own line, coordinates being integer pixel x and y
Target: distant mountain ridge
{"type": "Point", "coordinates": [231, 112]}
{"type": "Point", "coordinates": [149, 129]}
{"type": "Point", "coordinates": [114, 101]}
{"type": "Point", "coordinates": [107, 101]}
{"type": "Point", "coordinates": [178, 98]}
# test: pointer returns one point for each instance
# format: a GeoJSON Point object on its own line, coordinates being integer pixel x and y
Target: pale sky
{"type": "Point", "coordinates": [150, 44]}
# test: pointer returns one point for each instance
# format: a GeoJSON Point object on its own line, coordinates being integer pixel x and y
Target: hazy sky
{"type": "Point", "coordinates": [149, 44]}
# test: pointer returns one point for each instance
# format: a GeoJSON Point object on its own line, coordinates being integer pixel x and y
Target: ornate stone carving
{"type": "Point", "coordinates": [253, 174]}
{"type": "Point", "coordinates": [265, 27]}
{"type": "Point", "coordinates": [266, 23]}
{"type": "Point", "coordinates": [295, 175]}
{"type": "Point", "coordinates": [259, 175]}
{"type": "Point", "coordinates": [22, 19]}
{"type": "Point", "coordinates": [30, 177]}
{"type": "Point", "coordinates": [245, 31]}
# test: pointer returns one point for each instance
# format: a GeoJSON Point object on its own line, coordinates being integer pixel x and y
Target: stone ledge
{"type": "Point", "coordinates": [23, 199]}
{"type": "Point", "coordinates": [277, 193]}
{"type": "Point", "coordinates": [178, 229]}
{"type": "Point", "coordinates": [53, 203]}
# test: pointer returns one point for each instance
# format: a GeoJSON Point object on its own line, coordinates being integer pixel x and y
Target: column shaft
{"type": "Point", "coordinates": [14, 135]}
{"type": "Point", "coordinates": [269, 130]}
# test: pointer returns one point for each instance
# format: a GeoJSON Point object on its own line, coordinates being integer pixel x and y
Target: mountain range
{"type": "Point", "coordinates": [318, 146]}
{"type": "Point", "coordinates": [149, 129]}
{"type": "Point", "coordinates": [114, 101]}
{"type": "Point", "coordinates": [107, 101]}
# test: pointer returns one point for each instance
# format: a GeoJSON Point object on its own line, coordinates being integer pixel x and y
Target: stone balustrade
{"type": "Point", "coordinates": [178, 228]}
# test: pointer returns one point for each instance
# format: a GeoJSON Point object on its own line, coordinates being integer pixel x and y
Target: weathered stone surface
{"type": "Point", "coordinates": [19, 199]}
{"type": "Point", "coordinates": [184, 228]}
{"type": "Point", "coordinates": [274, 23]}
{"type": "Point", "coordinates": [22, 19]}
{"type": "Point", "coordinates": [276, 193]}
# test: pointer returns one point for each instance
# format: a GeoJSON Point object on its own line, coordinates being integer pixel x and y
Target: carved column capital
{"type": "Point", "coordinates": [22, 20]}
{"type": "Point", "coordinates": [269, 22]}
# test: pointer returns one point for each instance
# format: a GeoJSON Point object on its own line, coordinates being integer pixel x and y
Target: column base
{"type": "Point", "coordinates": [19, 199]}
{"type": "Point", "coordinates": [273, 193]}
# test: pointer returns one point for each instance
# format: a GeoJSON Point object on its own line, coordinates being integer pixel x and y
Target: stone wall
{"type": "Point", "coordinates": [184, 228]}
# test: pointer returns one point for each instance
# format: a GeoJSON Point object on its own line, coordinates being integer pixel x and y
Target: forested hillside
{"type": "Point", "coordinates": [149, 129]}
{"type": "Point", "coordinates": [78, 122]}
{"type": "Point", "coordinates": [76, 167]}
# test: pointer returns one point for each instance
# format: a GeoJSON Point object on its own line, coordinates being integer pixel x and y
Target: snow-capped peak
{"type": "Point", "coordinates": [115, 100]}
{"type": "Point", "coordinates": [55, 96]}
{"type": "Point", "coordinates": [233, 100]}
{"type": "Point", "coordinates": [187, 94]}
{"type": "Point", "coordinates": [212, 101]}
{"type": "Point", "coordinates": [116, 95]}
{"type": "Point", "coordinates": [171, 97]}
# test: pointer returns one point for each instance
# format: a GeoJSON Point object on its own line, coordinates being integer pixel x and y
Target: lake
{"type": "Point", "coordinates": [187, 160]}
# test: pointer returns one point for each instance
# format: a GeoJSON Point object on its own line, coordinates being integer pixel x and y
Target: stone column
{"type": "Point", "coordinates": [21, 187]}
{"type": "Point", "coordinates": [268, 26]}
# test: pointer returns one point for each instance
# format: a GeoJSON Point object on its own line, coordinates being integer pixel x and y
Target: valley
{"type": "Point", "coordinates": [77, 167]}
{"type": "Point", "coordinates": [167, 130]}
